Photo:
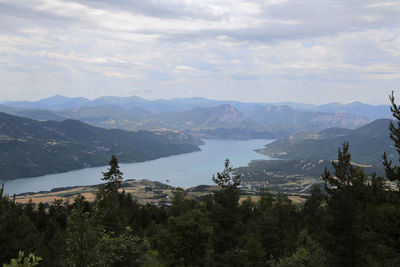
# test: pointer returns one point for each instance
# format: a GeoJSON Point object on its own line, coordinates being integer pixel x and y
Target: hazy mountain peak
{"type": "Point", "coordinates": [55, 98]}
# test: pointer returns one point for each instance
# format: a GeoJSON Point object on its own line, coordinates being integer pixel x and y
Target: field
{"type": "Point", "coordinates": [144, 191]}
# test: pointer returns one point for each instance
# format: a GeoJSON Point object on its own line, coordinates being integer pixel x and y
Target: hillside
{"type": "Point", "coordinates": [304, 156]}
{"type": "Point", "coordinates": [289, 176]}
{"type": "Point", "coordinates": [296, 120]}
{"type": "Point", "coordinates": [31, 148]}
{"type": "Point", "coordinates": [367, 144]}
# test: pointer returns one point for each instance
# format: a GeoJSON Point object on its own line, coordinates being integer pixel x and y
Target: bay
{"type": "Point", "coordinates": [185, 170]}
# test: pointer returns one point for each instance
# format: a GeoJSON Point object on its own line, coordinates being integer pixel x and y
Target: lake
{"type": "Point", "coordinates": [185, 170]}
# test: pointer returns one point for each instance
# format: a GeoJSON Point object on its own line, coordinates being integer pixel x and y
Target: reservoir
{"type": "Point", "coordinates": [185, 170]}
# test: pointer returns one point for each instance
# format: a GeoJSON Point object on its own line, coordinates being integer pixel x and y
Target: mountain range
{"type": "Point", "coordinates": [31, 148]}
{"type": "Point", "coordinates": [59, 102]}
{"type": "Point", "coordinates": [199, 116]}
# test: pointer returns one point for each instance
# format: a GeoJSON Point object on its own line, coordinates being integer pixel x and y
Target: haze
{"type": "Point", "coordinates": [263, 51]}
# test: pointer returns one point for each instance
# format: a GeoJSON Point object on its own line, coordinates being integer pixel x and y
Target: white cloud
{"type": "Point", "coordinates": [273, 50]}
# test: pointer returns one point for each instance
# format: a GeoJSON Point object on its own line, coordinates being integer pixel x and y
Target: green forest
{"type": "Point", "coordinates": [354, 220]}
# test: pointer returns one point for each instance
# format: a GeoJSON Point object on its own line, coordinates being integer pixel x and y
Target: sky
{"type": "Point", "coordinates": [310, 51]}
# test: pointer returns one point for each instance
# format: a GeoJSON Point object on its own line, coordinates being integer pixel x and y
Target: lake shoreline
{"type": "Point", "coordinates": [101, 165]}
{"type": "Point", "coordinates": [183, 170]}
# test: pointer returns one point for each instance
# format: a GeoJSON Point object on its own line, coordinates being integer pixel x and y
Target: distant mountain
{"type": "Point", "coordinates": [109, 116]}
{"type": "Point", "coordinates": [225, 116]}
{"type": "Point", "coordinates": [181, 104]}
{"type": "Point", "coordinates": [285, 116]}
{"type": "Point", "coordinates": [160, 105]}
{"type": "Point", "coordinates": [39, 114]}
{"type": "Point", "coordinates": [64, 103]}
{"type": "Point", "coordinates": [203, 117]}
{"type": "Point", "coordinates": [56, 102]}
{"type": "Point", "coordinates": [295, 105]}
{"type": "Point", "coordinates": [223, 121]}
{"type": "Point", "coordinates": [171, 105]}
{"type": "Point", "coordinates": [372, 112]}
{"type": "Point", "coordinates": [8, 109]}
{"type": "Point", "coordinates": [32, 148]}
{"type": "Point", "coordinates": [367, 144]}
{"type": "Point", "coordinates": [123, 102]}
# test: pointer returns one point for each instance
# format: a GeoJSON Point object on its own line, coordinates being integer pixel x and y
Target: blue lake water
{"type": "Point", "coordinates": [183, 170]}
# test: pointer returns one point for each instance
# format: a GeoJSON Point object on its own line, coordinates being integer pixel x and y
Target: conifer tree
{"type": "Point", "coordinates": [393, 172]}
{"type": "Point", "coordinates": [225, 215]}
{"type": "Point", "coordinates": [113, 176]}
{"type": "Point", "coordinates": [345, 172]}
{"type": "Point", "coordinates": [342, 203]}
{"type": "Point", "coordinates": [107, 206]}
{"type": "Point", "coordinates": [81, 236]}
{"type": "Point", "coordinates": [230, 193]}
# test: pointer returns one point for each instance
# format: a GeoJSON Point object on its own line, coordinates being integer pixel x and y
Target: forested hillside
{"type": "Point", "coordinates": [32, 148]}
{"type": "Point", "coordinates": [367, 144]}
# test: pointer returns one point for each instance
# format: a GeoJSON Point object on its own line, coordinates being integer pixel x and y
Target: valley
{"type": "Point", "coordinates": [137, 130]}
{"type": "Point", "coordinates": [179, 133]}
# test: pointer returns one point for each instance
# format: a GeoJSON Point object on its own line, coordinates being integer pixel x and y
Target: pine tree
{"type": "Point", "coordinates": [343, 199]}
{"type": "Point", "coordinates": [113, 176]}
{"type": "Point", "coordinates": [358, 229]}
{"type": "Point", "coordinates": [308, 254]}
{"type": "Point", "coordinates": [82, 236]}
{"type": "Point", "coordinates": [224, 179]}
{"type": "Point", "coordinates": [107, 206]}
{"type": "Point", "coordinates": [229, 194]}
{"type": "Point", "coordinates": [345, 172]}
{"type": "Point", "coordinates": [393, 172]}
{"type": "Point", "coordinates": [225, 214]}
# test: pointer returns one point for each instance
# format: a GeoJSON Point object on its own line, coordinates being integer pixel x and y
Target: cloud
{"type": "Point", "coordinates": [245, 50]}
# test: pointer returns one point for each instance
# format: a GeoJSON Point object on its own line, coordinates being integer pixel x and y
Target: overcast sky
{"type": "Point", "coordinates": [264, 50]}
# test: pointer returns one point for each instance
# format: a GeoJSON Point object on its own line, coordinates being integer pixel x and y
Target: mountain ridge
{"type": "Point", "coordinates": [260, 118]}
{"type": "Point", "coordinates": [59, 102]}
